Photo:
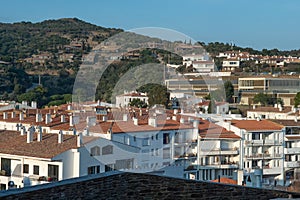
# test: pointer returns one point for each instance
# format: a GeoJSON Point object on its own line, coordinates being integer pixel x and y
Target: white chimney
{"type": "Point", "coordinates": [30, 134]}
{"type": "Point", "coordinates": [39, 134]}
{"type": "Point", "coordinates": [174, 117]}
{"type": "Point", "coordinates": [181, 120]}
{"type": "Point", "coordinates": [104, 118]}
{"type": "Point", "coordinates": [21, 116]}
{"type": "Point", "coordinates": [60, 137]}
{"type": "Point", "coordinates": [79, 139]}
{"type": "Point", "coordinates": [48, 118]}
{"type": "Point", "coordinates": [71, 120]}
{"type": "Point", "coordinates": [253, 107]}
{"type": "Point", "coordinates": [125, 117]}
{"type": "Point", "coordinates": [5, 115]}
{"type": "Point", "coordinates": [175, 111]}
{"type": "Point", "coordinates": [69, 107]}
{"type": "Point", "coordinates": [152, 122]}
{"type": "Point", "coordinates": [34, 104]}
{"type": "Point", "coordinates": [86, 131]}
{"type": "Point", "coordinates": [296, 119]}
{"type": "Point", "coordinates": [280, 108]}
{"type": "Point", "coordinates": [135, 121]}
{"type": "Point", "coordinates": [38, 117]}
{"type": "Point", "coordinates": [23, 130]}
{"type": "Point", "coordinates": [62, 118]}
{"type": "Point", "coordinates": [275, 105]}
{"type": "Point", "coordinates": [196, 123]}
{"type": "Point", "coordinates": [141, 112]}
{"type": "Point", "coordinates": [24, 103]}
{"type": "Point", "coordinates": [13, 114]}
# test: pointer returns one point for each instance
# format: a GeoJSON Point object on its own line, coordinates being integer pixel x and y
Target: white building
{"type": "Point", "coordinates": [231, 64]}
{"type": "Point", "coordinates": [125, 99]}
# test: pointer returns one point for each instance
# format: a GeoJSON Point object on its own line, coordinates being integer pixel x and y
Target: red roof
{"type": "Point", "coordinates": [225, 180]}
{"type": "Point", "coordinates": [254, 125]}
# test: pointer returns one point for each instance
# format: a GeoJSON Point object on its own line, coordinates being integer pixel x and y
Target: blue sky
{"type": "Point", "coordinates": [254, 23]}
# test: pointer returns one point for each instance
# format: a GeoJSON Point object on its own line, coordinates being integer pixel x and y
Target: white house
{"type": "Point", "coordinates": [124, 99]}
{"type": "Point", "coordinates": [231, 64]}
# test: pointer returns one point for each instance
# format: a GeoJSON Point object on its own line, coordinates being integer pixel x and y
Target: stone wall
{"type": "Point", "coordinates": [145, 186]}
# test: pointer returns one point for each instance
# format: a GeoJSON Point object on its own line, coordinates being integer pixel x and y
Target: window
{"type": "Point", "coordinates": [53, 171]}
{"type": "Point", "coordinates": [95, 151]}
{"type": "Point", "coordinates": [36, 170]}
{"type": "Point", "coordinates": [109, 167]}
{"type": "Point", "coordinates": [166, 153]}
{"type": "Point", "coordinates": [26, 168]}
{"type": "Point", "coordinates": [166, 138]}
{"type": "Point", "coordinates": [134, 138]}
{"type": "Point", "coordinates": [146, 142]}
{"type": "Point", "coordinates": [6, 166]}
{"type": "Point", "coordinates": [94, 169]}
{"type": "Point", "coordinates": [107, 150]}
{"type": "Point", "coordinates": [156, 136]}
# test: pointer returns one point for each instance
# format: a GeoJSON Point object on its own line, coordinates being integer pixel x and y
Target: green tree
{"type": "Point", "coordinates": [297, 100]}
{"type": "Point", "coordinates": [229, 91]}
{"type": "Point", "coordinates": [138, 103]}
{"type": "Point", "coordinates": [261, 98]}
{"type": "Point", "coordinates": [158, 95]}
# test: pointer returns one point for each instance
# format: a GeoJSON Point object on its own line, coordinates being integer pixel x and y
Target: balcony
{"type": "Point", "coordinates": [186, 156]}
{"type": "Point", "coordinates": [179, 142]}
{"type": "Point", "coordinates": [292, 164]}
{"type": "Point", "coordinates": [266, 142]}
{"type": "Point", "coordinates": [293, 150]}
{"type": "Point", "coordinates": [215, 152]}
{"type": "Point", "coordinates": [260, 156]}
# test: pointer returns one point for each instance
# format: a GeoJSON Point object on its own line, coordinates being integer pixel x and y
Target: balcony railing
{"type": "Point", "coordinates": [233, 151]}
{"type": "Point", "coordinates": [186, 156]}
{"type": "Point", "coordinates": [293, 150]}
{"type": "Point", "coordinates": [292, 164]}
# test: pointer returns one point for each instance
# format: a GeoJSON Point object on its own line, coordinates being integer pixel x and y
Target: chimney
{"type": "Point", "coordinates": [60, 137]}
{"type": "Point", "coordinates": [34, 104]}
{"type": "Point", "coordinates": [79, 139]}
{"type": "Point", "coordinates": [174, 117]}
{"type": "Point", "coordinates": [135, 121]}
{"type": "Point", "coordinates": [69, 107]}
{"type": "Point", "coordinates": [125, 117]}
{"type": "Point", "coordinates": [181, 120]}
{"type": "Point", "coordinates": [196, 123]}
{"type": "Point", "coordinates": [62, 118]}
{"type": "Point", "coordinates": [141, 112]}
{"type": "Point", "coordinates": [13, 114]}
{"type": "Point", "coordinates": [86, 131]}
{"type": "Point", "coordinates": [71, 120]}
{"type": "Point", "coordinates": [39, 134]}
{"type": "Point", "coordinates": [30, 134]}
{"type": "Point", "coordinates": [104, 118]}
{"type": "Point", "coordinates": [296, 119]}
{"type": "Point", "coordinates": [23, 130]}
{"type": "Point", "coordinates": [229, 125]}
{"type": "Point", "coordinates": [38, 117]}
{"type": "Point", "coordinates": [280, 107]}
{"type": "Point", "coordinates": [4, 115]}
{"type": "Point", "coordinates": [175, 112]}
{"type": "Point", "coordinates": [48, 118]}
{"type": "Point", "coordinates": [24, 103]}
{"type": "Point", "coordinates": [21, 116]}
{"type": "Point", "coordinates": [152, 122]}
{"type": "Point", "coordinates": [253, 107]}
{"type": "Point", "coordinates": [275, 105]}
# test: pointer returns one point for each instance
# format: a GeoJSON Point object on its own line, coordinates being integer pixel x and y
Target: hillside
{"type": "Point", "coordinates": [52, 49]}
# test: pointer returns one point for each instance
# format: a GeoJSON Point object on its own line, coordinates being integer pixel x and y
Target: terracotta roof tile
{"type": "Point", "coordinates": [254, 125]}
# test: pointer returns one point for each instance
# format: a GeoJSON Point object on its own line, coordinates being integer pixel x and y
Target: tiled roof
{"type": "Point", "coordinates": [12, 142]}
{"type": "Point", "coordinates": [271, 109]}
{"type": "Point", "coordinates": [210, 130]}
{"type": "Point", "coordinates": [225, 180]}
{"type": "Point", "coordinates": [287, 122]}
{"type": "Point", "coordinates": [254, 125]}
